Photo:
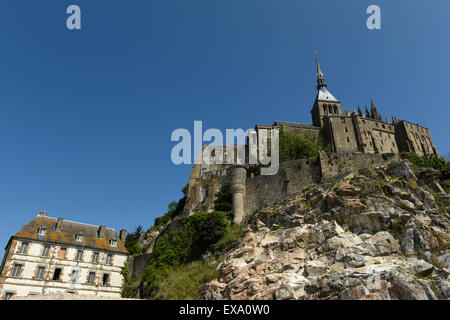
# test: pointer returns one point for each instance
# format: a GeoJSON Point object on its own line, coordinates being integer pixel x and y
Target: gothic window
{"type": "Point", "coordinates": [325, 109]}
{"type": "Point", "coordinates": [346, 129]}
{"type": "Point", "coordinates": [330, 109]}
{"type": "Point", "coordinates": [348, 139]}
{"type": "Point", "coordinates": [335, 110]}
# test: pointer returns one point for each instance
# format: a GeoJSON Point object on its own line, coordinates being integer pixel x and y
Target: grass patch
{"type": "Point", "coordinates": [184, 282]}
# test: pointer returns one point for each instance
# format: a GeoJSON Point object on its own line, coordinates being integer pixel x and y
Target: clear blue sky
{"type": "Point", "coordinates": [86, 116]}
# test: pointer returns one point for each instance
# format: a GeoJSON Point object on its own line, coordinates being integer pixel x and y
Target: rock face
{"type": "Point", "coordinates": [377, 234]}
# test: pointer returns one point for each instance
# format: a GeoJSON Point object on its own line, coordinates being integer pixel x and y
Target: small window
{"type": "Point", "coordinates": [16, 270]}
{"type": "Point", "coordinates": [40, 273]}
{"type": "Point", "coordinates": [108, 259]}
{"type": "Point", "coordinates": [46, 251]}
{"type": "Point", "coordinates": [79, 255]}
{"type": "Point", "coordinates": [343, 120]}
{"type": "Point", "coordinates": [393, 144]}
{"type": "Point", "coordinates": [376, 123]}
{"type": "Point", "coordinates": [346, 129]}
{"type": "Point", "coordinates": [364, 121]}
{"type": "Point", "coordinates": [57, 274]}
{"type": "Point", "coordinates": [23, 248]}
{"type": "Point", "coordinates": [113, 242]}
{"type": "Point", "coordinates": [384, 127]}
{"type": "Point", "coordinates": [95, 257]}
{"type": "Point", "coordinates": [42, 231]}
{"type": "Point", "coordinates": [74, 277]}
{"type": "Point", "coordinates": [348, 139]}
{"type": "Point", "coordinates": [8, 295]}
{"type": "Point", "coordinates": [79, 237]}
{"type": "Point", "coordinates": [105, 279]}
{"type": "Point", "coordinates": [91, 278]}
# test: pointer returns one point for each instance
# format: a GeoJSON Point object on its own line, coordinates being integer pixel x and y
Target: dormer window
{"type": "Point", "coordinates": [113, 242]}
{"type": "Point", "coordinates": [79, 237]}
{"type": "Point", "coordinates": [41, 231]}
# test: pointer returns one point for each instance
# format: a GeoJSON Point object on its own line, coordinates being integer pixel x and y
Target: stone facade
{"type": "Point", "coordinates": [50, 255]}
{"type": "Point", "coordinates": [356, 140]}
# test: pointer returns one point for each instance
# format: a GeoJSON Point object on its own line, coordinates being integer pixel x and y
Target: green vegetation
{"type": "Point", "coordinates": [223, 200]}
{"type": "Point", "coordinates": [132, 242]}
{"type": "Point", "coordinates": [299, 145]}
{"type": "Point", "coordinates": [184, 282]}
{"type": "Point", "coordinates": [429, 161]}
{"type": "Point", "coordinates": [177, 256]}
{"type": "Point", "coordinates": [130, 286]}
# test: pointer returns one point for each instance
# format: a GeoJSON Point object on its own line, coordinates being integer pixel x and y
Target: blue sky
{"type": "Point", "coordinates": [86, 116]}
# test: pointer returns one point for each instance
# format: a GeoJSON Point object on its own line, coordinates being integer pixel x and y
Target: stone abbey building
{"type": "Point", "coordinates": [358, 131]}
{"type": "Point", "coordinates": [357, 140]}
{"type": "Point", "coordinates": [52, 255]}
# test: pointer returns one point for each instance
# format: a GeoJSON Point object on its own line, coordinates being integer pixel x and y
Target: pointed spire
{"type": "Point", "coordinates": [368, 113]}
{"type": "Point", "coordinates": [320, 77]}
{"type": "Point", "coordinates": [359, 111]}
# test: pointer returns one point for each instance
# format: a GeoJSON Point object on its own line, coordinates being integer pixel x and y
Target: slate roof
{"type": "Point", "coordinates": [66, 234]}
{"type": "Point", "coordinates": [324, 95]}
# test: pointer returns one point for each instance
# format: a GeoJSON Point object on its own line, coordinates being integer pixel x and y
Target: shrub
{"type": "Point", "coordinates": [184, 282]}
{"type": "Point", "coordinates": [223, 200]}
{"type": "Point", "coordinates": [196, 236]}
{"type": "Point", "coordinates": [429, 161]}
{"type": "Point", "coordinates": [298, 145]}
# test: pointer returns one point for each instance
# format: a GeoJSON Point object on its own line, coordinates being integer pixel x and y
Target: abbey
{"type": "Point", "coordinates": [358, 131]}
{"type": "Point", "coordinates": [356, 140]}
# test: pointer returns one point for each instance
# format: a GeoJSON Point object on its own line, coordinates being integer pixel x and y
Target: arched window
{"type": "Point", "coordinates": [325, 108]}
{"type": "Point", "coordinates": [335, 110]}
{"type": "Point", "coordinates": [330, 109]}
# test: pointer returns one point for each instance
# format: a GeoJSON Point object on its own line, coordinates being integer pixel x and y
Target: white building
{"type": "Point", "coordinates": [50, 255]}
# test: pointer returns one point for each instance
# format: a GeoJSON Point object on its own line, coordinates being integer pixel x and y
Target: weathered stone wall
{"type": "Point", "coordinates": [338, 166]}
{"type": "Point", "coordinates": [291, 178]}
{"type": "Point", "coordinates": [137, 264]}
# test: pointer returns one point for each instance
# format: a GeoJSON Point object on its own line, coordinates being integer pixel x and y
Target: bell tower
{"type": "Point", "coordinates": [326, 103]}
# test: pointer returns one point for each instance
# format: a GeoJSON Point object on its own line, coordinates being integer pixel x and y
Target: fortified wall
{"type": "Point", "coordinates": [252, 192]}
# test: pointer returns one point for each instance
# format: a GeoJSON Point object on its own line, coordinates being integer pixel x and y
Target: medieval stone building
{"type": "Point", "coordinates": [358, 131]}
{"type": "Point", "coordinates": [51, 255]}
{"type": "Point", "coordinates": [358, 139]}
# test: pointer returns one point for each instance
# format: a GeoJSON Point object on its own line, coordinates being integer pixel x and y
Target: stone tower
{"type": "Point", "coordinates": [326, 103]}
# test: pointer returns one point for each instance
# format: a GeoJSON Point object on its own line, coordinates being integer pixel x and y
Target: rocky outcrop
{"type": "Point", "coordinates": [376, 234]}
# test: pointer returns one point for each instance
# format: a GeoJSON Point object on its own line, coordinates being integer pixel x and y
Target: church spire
{"type": "Point", "coordinates": [320, 77]}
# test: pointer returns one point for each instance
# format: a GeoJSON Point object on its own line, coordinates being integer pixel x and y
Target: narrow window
{"type": "Point", "coordinates": [346, 129]}
{"type": "Point", "coordinates": [335, 110]}
{"type": "Point", "coordinates": [79, 255]}
{"type": "Point", "coordinates": [376, 123]}
{"type": "Point", "coordinates": [105, 279]}
{"type": "Point", "coordinates": [108, 259]}
{"type": "Point", "coordinates": [62, 253]}
{"type": "Point", "coordinates": [91, 277]}
{"type": "Point", "coordinates": [74, 276]}
{"type": "Point", "coordinates": [95, 257]}
{"type": "Point", "coordinates": [57, 274]}
{"type": "Point", "coordinates": [23, 248]}
{"type": "Point", "coordinates": [46, 251]}
{"type": "Point", "coordinates": [16, 270]}
{"type": "Point", "coordinates": [348, 139]}
{"type": "Point", "coordinates": [343, 120]}
{"type": "Point", "coordinates": [8, 295]}
{"type": "Point", "coordinates": [40, 273]}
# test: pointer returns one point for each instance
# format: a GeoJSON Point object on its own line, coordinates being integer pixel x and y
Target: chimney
{"type": "Point", "coordinates": [101, 232]}
{"type": "Point", "coordinates": [59, 224]}
{"type": "Point", "coordinates": [123, 235]}
{"type": "Point", "coordinates": [42, 214]}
